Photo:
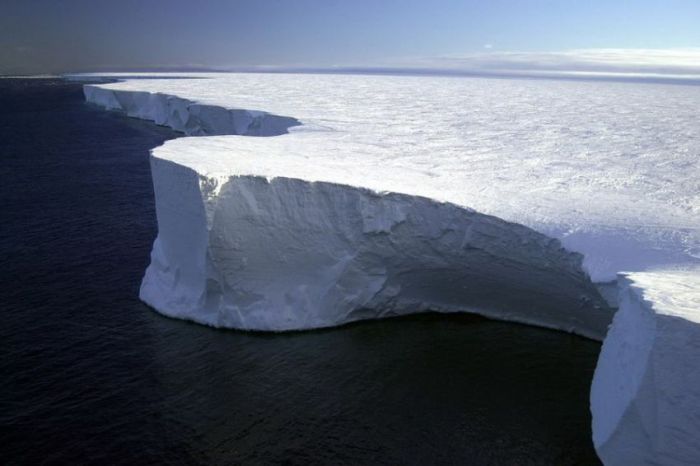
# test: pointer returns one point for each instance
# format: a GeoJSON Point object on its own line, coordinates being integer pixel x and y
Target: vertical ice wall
{"type": "Point", "coordinates": [287, 254]}
{"type": "Point", "coordinates": [186, 116]}
{"type": "Point", "coordinates": [645, 398]}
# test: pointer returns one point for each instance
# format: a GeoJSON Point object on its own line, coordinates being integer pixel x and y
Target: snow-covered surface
{"type": "Point", "coordinates": [645, 398]}
{"type": "Point", "coordinates": [612, 169]}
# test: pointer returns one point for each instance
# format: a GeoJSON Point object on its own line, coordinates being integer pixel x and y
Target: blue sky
{"type": "Point", "coordinates": [82, 35]}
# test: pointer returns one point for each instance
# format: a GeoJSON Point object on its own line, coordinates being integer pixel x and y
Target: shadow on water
{"type": "Point", "coordinates": [91, 375]}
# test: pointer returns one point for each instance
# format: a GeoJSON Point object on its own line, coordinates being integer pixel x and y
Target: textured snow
{"type": "Point", "coordinates": [611, 169]}
{"type": "Point", "coordinates": [644, 399]}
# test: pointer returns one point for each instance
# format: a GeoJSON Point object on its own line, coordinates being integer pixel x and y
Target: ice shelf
{"type": "Point", "coordinates": [381, 196]}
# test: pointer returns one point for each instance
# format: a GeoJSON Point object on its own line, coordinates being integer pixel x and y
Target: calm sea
{"type": "Point", "coordinates": [90, 375]}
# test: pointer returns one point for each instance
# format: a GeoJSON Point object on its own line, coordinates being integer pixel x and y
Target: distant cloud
{"type": "Point", "coordinates": [678, 63]}
{"type": "Point", "coordinates": [648, 65]}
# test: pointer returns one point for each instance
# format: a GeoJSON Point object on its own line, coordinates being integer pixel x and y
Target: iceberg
{"type": "Point", "coordinates": [609, 169]}
{"type": "Point", "coordinates": [381, 196]}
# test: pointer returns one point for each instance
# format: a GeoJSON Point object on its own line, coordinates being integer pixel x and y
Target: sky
{"type": "Point", "coordinates": [59, 36]}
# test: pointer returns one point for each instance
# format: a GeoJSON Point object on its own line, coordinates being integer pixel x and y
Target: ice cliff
{"type": "Point", "coordinates": [284, 254]}
{"type": "Point", "coordinates": [241, 247]}
{"type": "Point", "coordinates": [644, 399]}
{"type": "Point", "coordinates": [186, 116]}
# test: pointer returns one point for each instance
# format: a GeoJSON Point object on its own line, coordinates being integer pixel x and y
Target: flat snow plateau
{"type": "Point", "coordinates": [383, 195]}
{"type": "Point", "coordinates": [611, 169]}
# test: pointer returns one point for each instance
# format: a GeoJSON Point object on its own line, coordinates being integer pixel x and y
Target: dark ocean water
{"type": "Point", "coordinates": [90, 375]}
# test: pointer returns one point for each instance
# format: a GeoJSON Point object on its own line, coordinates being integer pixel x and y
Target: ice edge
{"type": "Point", "coordinates": [588, 314]}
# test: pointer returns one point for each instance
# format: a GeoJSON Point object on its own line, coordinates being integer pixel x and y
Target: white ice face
{"type": "Point", "coordinates": [645, 400]}
{"type": "Point", "coordinates": [611, 169]}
